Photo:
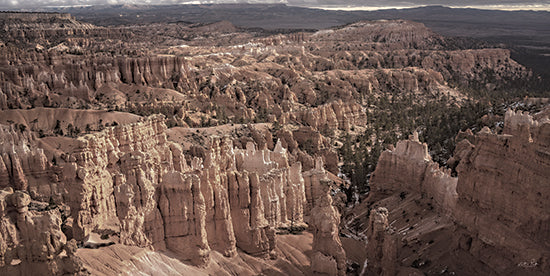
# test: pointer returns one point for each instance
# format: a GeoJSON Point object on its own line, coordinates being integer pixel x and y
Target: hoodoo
{"type": "Point", "coordinates": [161, 145]}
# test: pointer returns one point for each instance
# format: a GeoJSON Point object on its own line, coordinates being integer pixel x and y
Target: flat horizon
{"type": "Point", "coordinates": [503, 7]}
{"type": "Point", "coordinates": [499, 7]}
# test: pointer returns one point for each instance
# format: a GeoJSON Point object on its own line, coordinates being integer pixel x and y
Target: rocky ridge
{"type": "Point", "coordinates": [130, 183]}
{"type": "Point", "coordinates": [290, 77]}
{"type": "Point", "coordinates": [204, 185]}
{"type": "Point", "coordinates": [483, 200]}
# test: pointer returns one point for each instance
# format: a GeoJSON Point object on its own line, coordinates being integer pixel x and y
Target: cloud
{"type": "Point", "coordinates": [30, 4]}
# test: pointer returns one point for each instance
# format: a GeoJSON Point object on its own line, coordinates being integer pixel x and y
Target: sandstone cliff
{"type": "Point", "coordinates": [503, 192]}
{"type": "Point", "coordinates": [131, 184]}
{"type": "Point", "coordinates": [128, 172]}
{"type": "Point", "coordinates": [417, 172]}
{"type": "Point", "coordinates": [31, 238]}
{"type": "Point", "coordinates": [381, 245]}
{"type": "Point", "coordinates": [23, 165]}
{"type": "Point", "coordinates": [497, 202]}
{"type": "Point", "coordinates": [329, 257]}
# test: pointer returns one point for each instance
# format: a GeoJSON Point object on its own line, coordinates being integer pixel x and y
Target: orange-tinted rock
{"type": "Point", "coordinates": [500, 195]}
{"type": "Point", "coordinates": [381, 245]}
{"type": "Point", "coordinates": [329, 257]}
{"type": "Point", "coordinates": [503, 192]}
{"type": "Point", "coordinates": [34, 238]}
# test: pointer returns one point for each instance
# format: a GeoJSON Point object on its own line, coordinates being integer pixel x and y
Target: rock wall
{"type": "Point", "coordinates": [503, 192]}
{"type": "Point", "coordinates": [131, 184]}
{"type": "Point", "coordinates": [500, 195]}
{"type": "Point", "coordinates": [455, 65]}
{"type": "Point", "coordinates": [31, 238]}
{"type": "Point", "coordinates": [112, 178]}
{"type": "Point", "coordinates": [24, 166]}
{"type": "Point", "coordinates": [48, 76]}
{"type": "Point", "coordinates": [277, 193]}
{"type": "Point", "coordinates": [381, 245]}
{"type": "Point", "coordinates": [335, 115]}
{"type": "Point", "coordinates": [409, 167]}
{"type": "Point", "coordinates": [329, 257]}
{"type": "Point", "coordinates": [129, 181]}
{"type": "Point", "coordinates": [183, 216]}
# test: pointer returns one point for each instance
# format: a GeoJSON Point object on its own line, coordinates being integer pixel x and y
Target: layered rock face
{"type": "Point", "coordinates": [112, 174]}
{"type": "Point", "coordinates": [329, 257]}
{"type": "Point", "coordinates": [52, 79]}
{"type": "Point", "coordinates": [503, 191]}
{"type": "Point", "coordinates": [404, 44]}
{"type": "Point", "coordinates": [31, 239]}
{"type": "Point", "coordinates": [23, 165]}
{"type": "Point", "coordinates": [163, 202]}
{"type": "Point", "coordinates": [381, 245]}
{"type": "Point", "coordinates": [335, 115]}
{"type": "Point", "coordinates": [277, 205]}
{"type": "Point", "coordinates": [38, 27]}
{"type": "Point", "coordinates": [130, 183]}
{"type": "Point", "coordinates": [499, 197]}
{"type": "Point", "coordinates": [182, 217]}
{"type": "Point", "coordinates": [417, 172]}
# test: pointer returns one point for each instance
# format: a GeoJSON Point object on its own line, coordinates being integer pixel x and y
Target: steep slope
{"type": "Point", "coordinates": [492, 217]}
{"type": "Point", "coordinates": [130, 184]}
{"type": "Point", "coordinates": [212, 149]}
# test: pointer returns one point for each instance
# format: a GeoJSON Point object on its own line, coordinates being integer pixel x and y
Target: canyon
{"type": "Point", "coordinates": [132, 186]}
{"type": "Point", "coordinates": [200, 149]}
{"type": "Point", "coordinates": [496, 212]}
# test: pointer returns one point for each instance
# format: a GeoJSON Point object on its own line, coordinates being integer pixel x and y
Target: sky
{"type": "Point", "coordinates": [328, 4]}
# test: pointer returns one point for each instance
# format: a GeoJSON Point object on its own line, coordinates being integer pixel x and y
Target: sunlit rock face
{"type": "Point", "coordinates": [417, 172]}
{"type": "Point", "coordinates": [129, 181]}
{"type": "Point", "coordinates": [23, 165]}
{"type": "Point", "coordinates": [329, 257]}
{"type": "Point", "coordinates": [150, 176]}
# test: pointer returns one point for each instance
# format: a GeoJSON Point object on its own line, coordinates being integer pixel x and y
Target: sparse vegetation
{"type": "Point", "coordinates": [438, 120]}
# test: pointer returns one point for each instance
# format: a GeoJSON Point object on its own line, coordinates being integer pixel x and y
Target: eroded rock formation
{"type": "Point", "coordinates": [23, 165]}
{"type": "Point", "coordinates": [499, 196]}
{"type": "Point", "coordinates": [417, 172]}
{"type": "Point", "coordinates": [324, 79]}
{"type": "Point", "coordinates": [329, 257]}
{"type": "Point", "coordinates": [381, 245]}
{"type": "Point", "coordinates": [31, 238]}
{"type": "Point", "coordinates": [503, 192]}
{"type": "Point", "coordinates": [261, 115]}
{"type": "Point", "coordinates": [131, 183]}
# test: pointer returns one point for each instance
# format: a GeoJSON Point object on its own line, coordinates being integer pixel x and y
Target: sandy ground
{"type": "Point", "coordinates": [427, 240]}
{"type": "Point", "coordinates": [293, 253]}
{"type": "Point", "coordinates": [46, 118]}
